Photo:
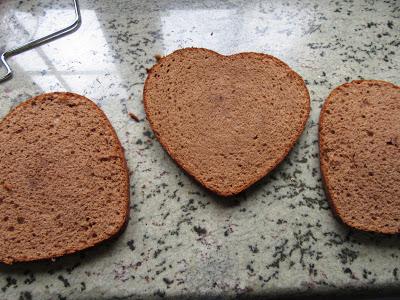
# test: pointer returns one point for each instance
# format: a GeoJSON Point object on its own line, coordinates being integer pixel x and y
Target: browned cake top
{"type": "Point", "coordinates": [227, 120]}
{"type": "Point", "coordinates": [63, 178]}
{"type": "Point", "coordinates": [360, 154]}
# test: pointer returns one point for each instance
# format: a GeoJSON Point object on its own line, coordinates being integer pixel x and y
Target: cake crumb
{"type": "Point", "coordinates": [158, 57]}
{"type": "Point", "coordinates": [134, 117]}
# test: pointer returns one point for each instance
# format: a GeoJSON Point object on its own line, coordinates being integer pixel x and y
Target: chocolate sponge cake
{"type": "Point", "coordinates": [359, 138]}
{"type": "Point", "coordinates": [226, 120]}
{"type": "Point", "coordinates": [63, 178]}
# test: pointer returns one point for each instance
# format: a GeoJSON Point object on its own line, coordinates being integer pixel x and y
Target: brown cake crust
{"type": "Point", "coordinates": [64, 181]}
{"type": "Point", "coordinates": [276, 74]}
{"type": "Point", "coordinates": [359, 135]}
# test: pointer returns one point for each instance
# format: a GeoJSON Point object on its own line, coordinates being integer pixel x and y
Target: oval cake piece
{"type": "Point", "coordinates": [226, 120]}
{"type": "Point", "coordinates": [63, 178]}
{"type": "Point", "coordinates": [359, 137]}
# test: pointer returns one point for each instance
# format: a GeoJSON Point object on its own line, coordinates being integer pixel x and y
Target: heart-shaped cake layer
{"type": "Point", "coordinates": [359, 138]}
{"type": "Point", "coordinates": [226, 120]}
{"type": "Point", "coordinates": [63, 178]}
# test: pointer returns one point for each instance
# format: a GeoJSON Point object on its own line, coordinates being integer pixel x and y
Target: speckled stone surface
{"type": "Point", "coordinates": [279, 237]}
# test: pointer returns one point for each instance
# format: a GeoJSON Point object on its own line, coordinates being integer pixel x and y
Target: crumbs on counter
{"type": "Point", "coordinates": [157, 57]}
{"type": "Point", "coordinates": [133, 117]}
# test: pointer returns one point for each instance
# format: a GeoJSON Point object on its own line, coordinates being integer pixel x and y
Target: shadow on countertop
{"type": "Point", "coordinates": [342, 296]}
{"type": "Point", "coordinates": [355, 296]}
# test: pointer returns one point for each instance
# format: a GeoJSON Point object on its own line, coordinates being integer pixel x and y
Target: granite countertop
{"type": "Point", "coordinates": [279, 237]}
